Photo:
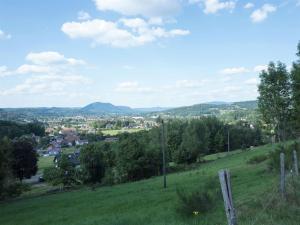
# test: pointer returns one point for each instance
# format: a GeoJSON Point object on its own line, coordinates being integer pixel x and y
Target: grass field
{"type": "Point", "coordinates": [146, 202]}
{"type": "Point", "coordinates": [45, 162]}
{"type": "Point", "coordinates": [116, 132]}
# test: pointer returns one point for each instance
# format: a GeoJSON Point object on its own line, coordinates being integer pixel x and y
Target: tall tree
{"type": "Point", "coordinates": [93, 162]}
{"type": "Point", "coordinates": [5, 161]}
{"type": "Point", "coordinates": [24, 159]}
{"type": "Point", "coordinates": [274, 101]}
{"type": "Point", "coordinates": [295, 75]}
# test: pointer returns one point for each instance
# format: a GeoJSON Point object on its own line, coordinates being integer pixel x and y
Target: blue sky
{"type": "Point", "coordinates": [140, 53]}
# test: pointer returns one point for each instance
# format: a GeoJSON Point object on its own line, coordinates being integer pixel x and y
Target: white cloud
{"type": "Point", "coordinates": [261, 14]}
{"type": "Point", "coordinates": [249, 5]}
{"type": "Point", "coordinates": [146, 8]}
{"type": "Point", "coordinates": [48, 58]}
{"type": "Point", "coordinates": [189, 83]}
{"type": "Point", "coordinates": [298, 3]}
{"type": "Point", "coordinates": [132, 87]}
{"type": "Point", "coordinates": [213, 6]}
{"type": "Point", "coordinates": [134, 32]}
{"type": "Point", "coordinates": [232, 88]}
{"type": "Point", "coordinates": [43, 63]}
{"type": "Point", "coordinates": [252, 81]}
{"type": "Point", "coordinates": [260, 68]}
{"type": "Point", "coordinates": [82, 15]}
{"type": "Point", "coordinates": [46, 84]}
{"type": "Point", "coordinates": [4, 36]}
{"type": "Point", "coordinates": [26, 68]}
{"type": "Point", "coordinates": [4, 71]}
{"type": "Point", "coordinates": [234, 70]}
{"type": "Point", "coordinates": [128, 67]}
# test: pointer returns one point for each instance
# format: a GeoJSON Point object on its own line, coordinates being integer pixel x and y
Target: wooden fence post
{"type": "Point", "coordinates": [282, 175]}
{"type": "Point", "coordinates": [296, 169]}
{"type": "Point", "coordinates": [224, 177]}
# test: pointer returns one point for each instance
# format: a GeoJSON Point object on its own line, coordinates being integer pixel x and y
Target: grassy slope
{"type": "Point", "coordinates": [146, 202]}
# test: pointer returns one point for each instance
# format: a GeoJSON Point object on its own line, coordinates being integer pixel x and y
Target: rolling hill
{"type": "Point", "coordinates": [146, 202]}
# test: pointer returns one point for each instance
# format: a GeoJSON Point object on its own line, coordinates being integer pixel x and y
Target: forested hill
{"type": "Point", "coordinates": [98, 108]}
{"type": "Point", "coordinates": [213, 109]}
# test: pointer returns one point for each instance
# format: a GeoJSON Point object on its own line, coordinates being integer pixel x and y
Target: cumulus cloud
{"type": "Point", "coordinates": [234, 70]}
{"type": "Point", "coordinates": [82, 15]}
{"type": "Point", "coordinates": [213, 6]}
{"type": "Point", "coordinates": [189, 83]}
{"type": "Point", "coordinates": [4, 71]}
{"type": "Point", "coordinates": [241, 70]}
{"type": "Point", "coordinates": [132, 87]}
{"type": "Point", "coordinates": [46, 84]}
{"type": "Point", "coordinates": [26, 68]}
{"type": "Point", "coordinates": [262, 13]}
{"type": "Point", "coordinates": [249, 5]}
{"type": "Point", "coordinates": [123, 33]}
{"type": "Point", "coordinates": [252, 81]}
{"type": "Point", "coordinates": [146, 8]}
{"type": "Point", "coordinates": [50, 57]}
{"type": "Point", "coordinates": [50, 73]}
{"type": "Point", "coordinates": [4, 36]}
{"type": "Point", "coordinates": [260, 68]}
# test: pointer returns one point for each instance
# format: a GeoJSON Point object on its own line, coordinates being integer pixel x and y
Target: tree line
{"type": "Point", "coordinates": [18, 157]}
{"type": "Point", "coordinates": [138, 155]}
{"type": "Point", "coordinates": [279, 100]}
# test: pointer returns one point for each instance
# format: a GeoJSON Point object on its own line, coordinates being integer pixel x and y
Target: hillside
{"type": "Point", "coordinates": [99, 108]}
{"type": "Point", "coordinates": [146, 202]}
{"type": "Point", "coordinates": [213, 109]}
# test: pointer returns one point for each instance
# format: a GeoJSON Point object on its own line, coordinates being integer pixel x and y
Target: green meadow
{"type": "Point", "coordinates": [146, 202]}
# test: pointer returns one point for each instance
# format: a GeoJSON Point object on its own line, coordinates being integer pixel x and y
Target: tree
{"type": "Point", "coordinates": [295, 76]}
{"type": "Point", "coordinates": [195, 142]}
{"type": "Point", "coordinates": [5, 161]}
{"type": "Point", "coordinates": [24, 159]}
{"type": "Point", "coordinates": [92, 161]}
{"type": "Point", "coordinates": [64, 174]}
{"type": "Point", "coordinates": [137, 158]}
{"type": "Point", "coordinates": [274, 101]}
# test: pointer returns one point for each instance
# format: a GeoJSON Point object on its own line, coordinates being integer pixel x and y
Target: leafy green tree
{"type": "Point", "coordinates": [5, 161]}
{"type": "Point", "coordinates": [64, 174]}
{"type": "Point", "coordinates": [195, 142]}
{"type": "Point", "coordinates": [295, 75]}
{"type": "Point", "coordinates": [175, 130]}
{"type": "Point", "coordinates": [274, 101]}
{"type": "Point", "coordinates": [135, 160]}
{"type": "Point", "coordinates": [24, 159]}
{"type": "Point", "coordinates": [93, 162]}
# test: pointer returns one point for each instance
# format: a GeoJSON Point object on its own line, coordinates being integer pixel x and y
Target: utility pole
{"type": "Point", "coordinates": [163, 152]}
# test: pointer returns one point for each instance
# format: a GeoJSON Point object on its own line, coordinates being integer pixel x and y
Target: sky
{"type": "Point", "coordinates": [140, 53]}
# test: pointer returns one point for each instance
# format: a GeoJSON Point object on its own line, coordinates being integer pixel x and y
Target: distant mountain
{"type": "Point", "coordinates": [217, 103]}
{"type": "Point", "coordinates": [99, 107]}
{"type": "Point", "coordinates": [211, 109]}
{"type": "Point", "coordinates": [152, 109]}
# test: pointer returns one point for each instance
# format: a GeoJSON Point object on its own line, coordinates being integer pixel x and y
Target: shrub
{"type": "Point", "coordinates": [257, 159]}
{"type": "Point", "coordinates": [274, 163]}
{"type": "Point", "coordinates": [52, 175]}
{"type": "Point", "coordinates": [200, 201]}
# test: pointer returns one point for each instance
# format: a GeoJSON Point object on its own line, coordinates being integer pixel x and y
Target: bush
{"type": "Point", "coordinates": [200, 201]}
{"type": "Point", "coordinates": [274, 163]}
{"type": "Point", "coordinates": [52, 175]}
{"type": "Point", "coordinates": [13, 190]}
{"type": "Point", "coordinates": [257, 159]}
